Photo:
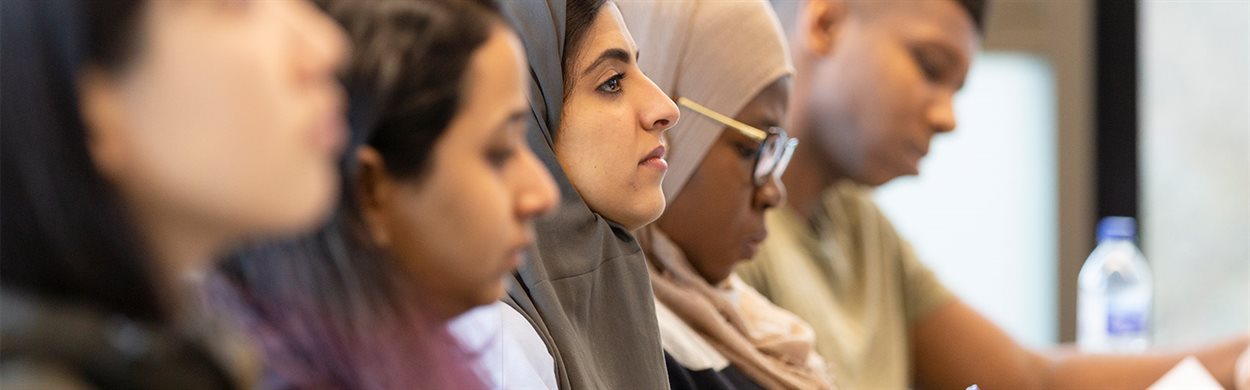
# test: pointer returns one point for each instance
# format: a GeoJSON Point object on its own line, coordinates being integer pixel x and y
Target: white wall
{"type": "Point", "coordinates": [1195, 166]}
{"type": "Point", "coordinates": [983, 212]}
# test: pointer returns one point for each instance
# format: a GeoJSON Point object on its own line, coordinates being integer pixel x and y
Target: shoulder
{"type": "Point", "coordinates": [850, 202]}
{"type": "Point", "coordinates": [507, 349]}
{"type": "Point", "coordinates": [23, 373]}
{"type": "Point", "coordinates": [51, 342]}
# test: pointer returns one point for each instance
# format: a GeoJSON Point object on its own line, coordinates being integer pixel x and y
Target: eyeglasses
{"type": "Point", "coordinates": [776, 146]}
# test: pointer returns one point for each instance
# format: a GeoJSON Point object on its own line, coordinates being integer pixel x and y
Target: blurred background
{"type": "Point", "coordinates": [1077, 110]}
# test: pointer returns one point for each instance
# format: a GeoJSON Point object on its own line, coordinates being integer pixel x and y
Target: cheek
{"type": "Point", "coordinates": [898, 96]}
{"type": "Point", "coordinates": [730, 186]}
{"type": "Point", "coordinates": [236, 80]}
{"type": "Point", "coordinates": [454, 233]}
{"type": "Point", "coordinates": [718, 202]}
{"type": "Point", "coordinates": [214, 90]}
{"type": "Point", "coordinates": [880, 112]}
{"type": "Point", "coordinates": [593, 149]}
{"type": "Point", "coordinates": [705, 222]}
{"type": "Point", "coordinates": [246, 178]}
{"type": "Point", "coordinates": [244, 122]}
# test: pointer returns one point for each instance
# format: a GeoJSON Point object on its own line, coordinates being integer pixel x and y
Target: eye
{"type": "Point", "coordinates": [931, 71]}
{"type": "Point", "coordinates": [498, 156]}
{"type": "Point", "coordinates": [746, 151]}
{"type": "Point", "coordinates": [931, 68]}
{"type": "Point", "coordinates": [613, 85]}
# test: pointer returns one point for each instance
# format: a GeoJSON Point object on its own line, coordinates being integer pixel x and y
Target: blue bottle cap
{"type": "Point", "coordinates": [1122, 228]}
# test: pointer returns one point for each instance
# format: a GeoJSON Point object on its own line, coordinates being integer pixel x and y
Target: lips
{"type": "Point", "coordinates": [758, 237]}
{"type": "Point", "coordinates": [754, 242]}
{"type": "Point", "coordinates": [921, 149]}
{"type": "Point", "coordinates": [751, 248]}
{"type": "Point", "coordinates": [329, 132]}
{"type": "Point", "coordinates": [657, 153]}
{"type": "Point", "coordinates": [655, 159]}
{"type": "Point", "coordinates": [516, 253]}
{"type": "Point", "coordinates": [915, 153]}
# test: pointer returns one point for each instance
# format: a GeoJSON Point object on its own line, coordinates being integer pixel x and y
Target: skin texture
{"type": "Point", "coordinates": [226, 123]}
{"type": "Point", "coordinates": [613, 117]}
{"type": "Point", "coordinates": [863, 103]}
{"type": "Point", "coordinates": [897, 69]}
{"type": "Point", "coordinates": [463, 225]}
{"type": "Point", "coordinates": [718, 217]}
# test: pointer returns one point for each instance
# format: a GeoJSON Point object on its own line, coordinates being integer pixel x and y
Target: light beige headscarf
{"type": "Point", "coordinates": [720, 53]}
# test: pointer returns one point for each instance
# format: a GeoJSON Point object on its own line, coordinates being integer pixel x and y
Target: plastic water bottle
{"type": "Point", "coordinates": [1114, 292]}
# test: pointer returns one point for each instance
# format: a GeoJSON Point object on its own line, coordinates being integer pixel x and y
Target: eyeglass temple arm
{"type": "Point", "coordinates": [757, 134]}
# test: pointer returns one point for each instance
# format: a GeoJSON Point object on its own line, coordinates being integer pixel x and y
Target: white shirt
{"type": "Point", "coordinates": [507, 351]}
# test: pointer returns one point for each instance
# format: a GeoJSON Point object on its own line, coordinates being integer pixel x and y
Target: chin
{"type": "Point", "coordinates": [645, 211]}
{"type": "Point", "coordinates": [309, 209]}
{"type": "Point", "coordinates": [493, 293]}
{"type": "Point", "coordinates": [877, 179]}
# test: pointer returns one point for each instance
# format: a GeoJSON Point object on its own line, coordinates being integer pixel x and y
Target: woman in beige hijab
{"type": "Point", "coordinates": [727, 65]}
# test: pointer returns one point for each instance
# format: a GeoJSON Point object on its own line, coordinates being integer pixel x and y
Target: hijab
{"type": "Point", "coordinates": [717, 53]}
{"type": "Point", "coordinates": [585, 286]}
{"type": "Point", "coordinates": [720, 54]}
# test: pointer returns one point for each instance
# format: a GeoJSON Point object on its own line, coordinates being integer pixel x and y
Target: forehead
{"type": "Point", "coordinates": [606, 31]}
{"type": "Point", "coordinates": [497, 62]}
{"type": "Point", "coordinates": [939, 21]}
{"type": "Point", "coordinates": [494, 83]}
{"type": "Point", "coordinates": [768, 107]}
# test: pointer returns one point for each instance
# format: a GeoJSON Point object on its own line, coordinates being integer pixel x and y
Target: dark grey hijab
{"type": "Point", "coordinates": [585, 286]}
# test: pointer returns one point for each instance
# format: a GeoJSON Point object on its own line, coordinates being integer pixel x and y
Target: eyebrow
{"type": "Point", "coordinates": [514, 117]}
{"type": "Point", "coordinates": [617, 54]}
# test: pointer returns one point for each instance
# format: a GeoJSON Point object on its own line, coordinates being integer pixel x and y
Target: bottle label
{"type": "Point", "coordinates": [1126, 321]}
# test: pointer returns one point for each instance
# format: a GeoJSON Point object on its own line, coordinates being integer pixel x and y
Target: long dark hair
{"type": "Point", "coordinates": [66, 235]}
{"type": "Point", "coordinates": [339, 312]}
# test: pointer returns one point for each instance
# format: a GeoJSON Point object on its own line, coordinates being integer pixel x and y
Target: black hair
{"type": "Point", "coordinates": [976, 10]}
{"type": "Point", "coordinates": [65, 231]}
{"type": "Point", "coordinates": [579, 15]}
{"type": "Point", "coordinates": [407, 71]}
{"type": "Point", "coordinates": [342, 308]}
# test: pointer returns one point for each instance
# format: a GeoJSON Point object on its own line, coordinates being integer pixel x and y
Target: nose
{"type": "Point", "coordinates": [770, 195]}
{"type": "Point", "coordinates": [536, 191]}
{"type": "Point", "coordinates": [941, 114]}
{"type": "Point", "coordinates": [658, 112]}
{"type": "Point", "coordinates": [320, 44]}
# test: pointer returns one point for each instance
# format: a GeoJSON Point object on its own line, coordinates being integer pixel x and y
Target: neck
{"type": "Point", "coordinates": [181, 253]}
{"type": "Point", "coordinates": [443, 310]}
{"type": "Point", "coordinates": [806, 179]}
{"type": "Point", "coordinates": [809, 173]}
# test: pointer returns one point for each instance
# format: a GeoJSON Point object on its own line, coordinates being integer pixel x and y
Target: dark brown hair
{"type": "Point", "coordinates": [66, 234]}
{"type": "Point", "coordinates": [579, 14]}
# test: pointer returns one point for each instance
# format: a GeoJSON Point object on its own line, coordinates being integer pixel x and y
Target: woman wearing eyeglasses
{"type": "Point", "coordinates": [725, 164]}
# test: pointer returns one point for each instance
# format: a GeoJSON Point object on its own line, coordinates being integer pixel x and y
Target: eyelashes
{"type": "Point", "coordinates": [933, 62]}
{"type": "Point", "coordinates": [499, 156]}
{"type": "Point", "coordinates": [612, 85]}
{"type": "Point", "coordinates": [745, 152]}
{"type": "Point", "coordinates": [931, 70]}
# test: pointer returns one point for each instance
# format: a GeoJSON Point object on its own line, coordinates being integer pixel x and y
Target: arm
{"type": "Point", "coordinates": [954, 347]}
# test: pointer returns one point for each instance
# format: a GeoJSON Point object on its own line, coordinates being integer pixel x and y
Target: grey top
{"type": "Point", "coordinates": [585, 287]}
